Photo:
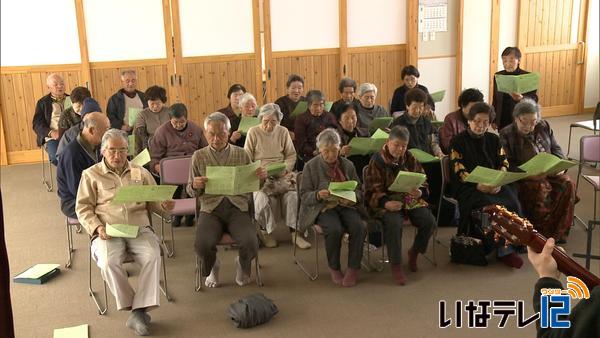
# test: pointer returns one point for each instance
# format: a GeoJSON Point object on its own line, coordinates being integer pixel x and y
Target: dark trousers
{"type": "Point", "coordinates": [225, 218]}
{"type": "Point", "coordinates": [335, 222]}
{"type": "Point", "coordinates": [51, 148]}
{"type": "Point", "coordinates": [392, 231]}
{"type": "Point", "coordinates": [68, 208]}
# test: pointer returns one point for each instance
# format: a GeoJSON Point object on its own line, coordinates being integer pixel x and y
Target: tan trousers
{"type": "Point", "coordinates": [271, 210]}
{"type": "Point", "coordinates": [145, 250]}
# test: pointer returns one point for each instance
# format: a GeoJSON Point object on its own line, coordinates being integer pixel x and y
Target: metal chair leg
{"type": "Point", "coordinates": [198, 286]}
{"type": "Point", "coordinates": [101, 310]}
{"type": "Point", "coordinates": [69, 245]}
{"type": "Point", "coordinates": [170, 252]}
{"type": "Point", "coordinates": [259, 281]}
{"type": "Point", "coordinates": [569, 143]}
{"type": "Point", "coordinates": [164, 286]}
{"type": "Point", "coordinates": [311, 276]}
{"type": "Point", "coordinates": [47, 182]}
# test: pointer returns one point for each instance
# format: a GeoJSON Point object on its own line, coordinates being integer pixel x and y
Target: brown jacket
{"type": "Point", "coordinates": [454, 124]}
{"type": "Point", "coordinates": [168, 142]}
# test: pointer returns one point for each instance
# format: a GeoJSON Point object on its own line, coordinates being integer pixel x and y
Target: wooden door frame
{"type": "Point", "coordinates": [494, 48]}
{"type": "Point", "coordinates": [459, 47]}
{"type": "Point", "coordinates": [412, 33]}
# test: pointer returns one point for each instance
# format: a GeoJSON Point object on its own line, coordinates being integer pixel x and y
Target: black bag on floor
{"type": "Point", "coordinates": [472, 247]}
{"type": "Point", "coordinates": [252, 310]}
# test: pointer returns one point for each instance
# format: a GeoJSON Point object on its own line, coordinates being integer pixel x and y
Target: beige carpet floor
{"type": "Point", "coordinates": [35, 233]}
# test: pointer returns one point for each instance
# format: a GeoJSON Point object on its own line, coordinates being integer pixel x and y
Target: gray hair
{"type": "Point", "coordinates": [328, 137]}
{"type": "Point", "coordinates": [128, 71]}
{"type": "Point", "coordinates": [365, 88]}
{"type": "Point", "coordinates": [313, 96]}
{"type": "Point", "coordinates": [53, 76]}
{"type": "Point", "coordinates": [527, 106]}
{"type": "Point", "coordinates": [399, 133]}
{"type": "Point", "coordinates": [245, 98]}
{"type": "Point", "coordinates": [270, 109]}
{"type": "Point", "coordinates": [346, 82]}
{"type": "Point", "coordinates": [217, 117]}
{"type": "Point", "coordinates": [112, 134]}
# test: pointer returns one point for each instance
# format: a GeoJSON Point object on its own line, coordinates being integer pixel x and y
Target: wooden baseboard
{"type": "Point", "coordinates": [589, 110]}
{"type": "Point", "coordinates": [26, 156]}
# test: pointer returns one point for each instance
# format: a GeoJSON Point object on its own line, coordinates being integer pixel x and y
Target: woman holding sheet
{"type": "Point", "coordinates": [548, 201]}
{"type": "Point", "coordinates": [392, 207]}
{"type": "Point", "coordinates": [477, 147]}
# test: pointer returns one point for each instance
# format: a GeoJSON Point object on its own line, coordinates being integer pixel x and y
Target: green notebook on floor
{"type": "Point", "coordinates": [38, 274]}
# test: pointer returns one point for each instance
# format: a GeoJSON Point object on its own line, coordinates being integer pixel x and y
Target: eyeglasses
{"type": "Point", "coordinates": [113, 151]}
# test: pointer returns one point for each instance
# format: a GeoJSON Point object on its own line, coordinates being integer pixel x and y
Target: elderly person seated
{"type": "Point", "coordinates": [89, 106]}
{"type": "Point", "coordinates": [149, 119]}
{"type": "Point", "coordinates": [277, 201]}
{"type": "Point", "coordinates": [47, 114]}
{"type": "Point", "coordinates": [367, 110]}
{"type": "Point", "coordinates": [248, 106]}
{"type": "Point", "coordinates": [78, 156]}
{"type": "Point", "coordinates": [347, 88]}
{"type": "Point", "coordinates": [176, 137]}
{"type": "Point", "coordinates": [410, 78]}
{"type": "Point", "coordinates": [72, 115]}
{"type": "Point", "coordinates": [456, 122]}
{"type": "Point", "coordinates": [348, 130]}
{"type": "Point", "coordinates": [233, 109]}
{"type": "Point", "coordinates": [220, 213]}
{"type": "Point", "coordinates": [478, 147]}
{"type": "Point", "coordinates": [125, 98]}
{"type": "Point", "coordinates": [310, 124]}
{"type": "Point", "coordinates": [335, 216]}
{"type": "Point", "coordinates": [95, 210]}
{"type": "Point", "coordinates": [295, 90]}
{"type": "Point", "coordinates": [429, 109]}
{"type": "Point", "coordinates": [391, 207]}
{"type": "Point", "coordinates": [548, 201]}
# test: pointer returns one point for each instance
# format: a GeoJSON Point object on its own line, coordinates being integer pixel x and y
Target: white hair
{"type": "Point", "coordinates": [245, 98]}
{"type": "Point", "coordinates": [270, 109]}
{"type": "Point", "coordinates": [52, 77]}
{"type": "Point", "coordinates": [112, 134]}
{"type": "Point", "coordinates": [365, 88]}
{"type": "Point", "coordinates": [328, 137]}
{"type": "Point", "coordinates": [217, 117]}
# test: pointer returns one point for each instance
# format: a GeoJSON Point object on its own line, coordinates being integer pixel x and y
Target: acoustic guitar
{"type": "Point", "coordinates": [520, 231]}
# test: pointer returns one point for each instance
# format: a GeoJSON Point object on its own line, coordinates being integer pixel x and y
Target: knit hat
{"type": "Point", "coordinates": [89, 106]}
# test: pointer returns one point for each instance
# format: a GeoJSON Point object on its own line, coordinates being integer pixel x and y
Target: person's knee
{"type": "Point", "coordinates": [393, 221]}
{"type": "Point", "coordinates": [249, 243]}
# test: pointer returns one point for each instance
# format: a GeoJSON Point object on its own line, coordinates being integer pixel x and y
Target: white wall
{"type": "Point", "coordinates": [29, 37]}
{"type": "Point", "coordinates": [380, 22]}
{"type": "Point", "coordinates": [438, 74]}
{"type": "Point", "coordinates": [592, 81]}
{"type": "Point", "coordinates": [306, 24]}
{"type": "Point", "coordinates": [124, 30]}
{"type": "Point", "coordinates": [509, 22]}
{"type": "Point", "coordinates": [203, 32]}
{"type": "Point", "coordinates": [476, 45]}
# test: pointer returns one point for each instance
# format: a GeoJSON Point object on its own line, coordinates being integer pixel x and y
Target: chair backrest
{"type": "Point", "coordinates": [175, 170]}
{"type": "Point", "coordinates": [590, 148]}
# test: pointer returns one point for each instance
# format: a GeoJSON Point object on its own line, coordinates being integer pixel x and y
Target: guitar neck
{"type": "Point", "coordinates": [565, 263]}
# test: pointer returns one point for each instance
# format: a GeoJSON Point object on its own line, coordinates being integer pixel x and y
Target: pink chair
{"type": "Point", "coordinates": [175, 170]}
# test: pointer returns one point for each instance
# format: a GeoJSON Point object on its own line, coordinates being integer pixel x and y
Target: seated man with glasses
{"type": "Point", "coordinates": [95, 211]}
{"type": "Point", "coordinates": [547, 201]}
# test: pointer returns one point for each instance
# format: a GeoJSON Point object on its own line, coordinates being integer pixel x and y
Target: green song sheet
{"type": "Point", "coordinates": [133, 113]}
{"type": "Point", "coordinates": [301, 107]}
{"type": "Point", "coordinates": [142, 158]}
{"type": "Point", "coordinates": [81, 331]}
{"type": "Point", "coordinates": [380, 135]}
{"type": "Point", "coordinates": [246, 123]}
{"type": "Point", "coordinates": [422, 156]}
{"type": "Point", "coordinates": [437, 124]}
{"type": "Point", "coordinates": [365, 145]}
{"type": "Point", "coordinates": [275, 169]}
{"type": "Point", "coordinates": [144, 193]}
{"type": "Point", "coordinates": [380, 123]}
{"type": "Point", "coordinates": [131, 145]}
{"type": "Point", "coordinates": [545, 163]}
{"type": "Point", "coordinates": [68, 103]}
{"type": "Point", "coordinates": [406, 181]}
{"type": "Point", "coordinates": [232, 180]}
{"type": "Point", "coordinates": [344, 190]}
{"type": "Point", "coordinates": [37, 271]}
{"type": "Point", "coordinates": [493, 177]}
{"type": "Point", "coordinates": [122, 230]}
{"type": "Point", "coordinates": [523, 83]}
{"type": "Point", "coordinates": [438, 96]}
{"type": "Point", "coordinates": [328, 105]}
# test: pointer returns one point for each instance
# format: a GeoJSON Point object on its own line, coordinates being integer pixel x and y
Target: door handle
{"type": "Point", "coordinates": [172, 81]}
{"type": "Point", "coordinates": [580, 52]}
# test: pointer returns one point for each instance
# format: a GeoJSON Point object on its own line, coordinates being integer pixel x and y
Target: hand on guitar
{"type": "Point", "coordinates": [543, 262]}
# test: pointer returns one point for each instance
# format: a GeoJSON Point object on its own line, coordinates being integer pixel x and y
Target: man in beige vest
{"type": "Point", "coordinates": [219, 213]}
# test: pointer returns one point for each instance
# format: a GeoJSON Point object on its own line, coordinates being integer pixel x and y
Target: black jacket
{"type": "Point", "coordinates": [116, 108]}
{"type": "Point", "coordinates": [42, 118]}
{"type": "Point", "coordinates": [398, 103]}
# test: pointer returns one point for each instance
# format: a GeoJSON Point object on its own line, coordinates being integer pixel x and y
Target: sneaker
{"type": "Point", "coordinates": [267, 240]}
{"type": "Point", "coordinates": [176, 221]}
{"type": "Point", "coordinates": [300, 241]}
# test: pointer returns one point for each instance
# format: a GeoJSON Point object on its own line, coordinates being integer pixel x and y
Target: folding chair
{"type": "Point", "coordinates": [589, 152]}
{"type": "Point", "coordinates": [226, 241]}
{"type": "Point", "coordinates": [175, 170]}
{"type": "Point", "coordinates": [445, 164]}
{"type": "Point", "coordinates": [70, 223]}
{"type": "Point", "coordinates": [47, 181]}
{"type": "Point", "coordinates": [593, 124]}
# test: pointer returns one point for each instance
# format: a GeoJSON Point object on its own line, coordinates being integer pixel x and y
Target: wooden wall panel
{"type": "Point", "coordinates": [206, 81]}
{"type": "Point", "coordinates": [19, 93]}
{"type": "Point", "coordinates": [320, 69]}
{"type": "Point", "coordinates": [106, 78]}
{"type": "Point", "coordinates": [380, 66]}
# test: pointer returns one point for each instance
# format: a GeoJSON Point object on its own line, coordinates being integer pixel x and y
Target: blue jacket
{"type": "Point", "coordinates": [116, 108]}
